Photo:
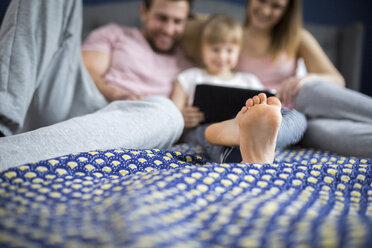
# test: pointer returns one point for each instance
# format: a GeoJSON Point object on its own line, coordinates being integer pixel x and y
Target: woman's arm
{"type": "Point", "coordinates": [317, 62]}
{"type": "Point", "coordinates": [318, 65]}
{"type": "Point", "coordinates": [191, 115]}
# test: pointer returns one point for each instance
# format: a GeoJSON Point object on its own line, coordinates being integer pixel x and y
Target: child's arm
{"type": "Point", "coordinates": [179, 96]}
{"type": "Point", "coordinates": [191, 115]}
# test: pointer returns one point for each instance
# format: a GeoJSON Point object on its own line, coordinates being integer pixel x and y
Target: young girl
{"type": "Point", "coordinates": [220, 45]}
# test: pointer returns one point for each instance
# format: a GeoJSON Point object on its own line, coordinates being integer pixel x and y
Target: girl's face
{"type": "Point", "coordinates": [265, 14]}
{"type": "Point", "coordinates": [220, 58]}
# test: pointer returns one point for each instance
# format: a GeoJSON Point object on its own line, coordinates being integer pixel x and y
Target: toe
{"type": "Point", "coordinates": [256, 100]}
{"type": "Point", "coordinates": [262, 97]}
{"type": "Point", "coordinates": [249, 103]}
{"type": "Point", "coordinates": [273, 101]}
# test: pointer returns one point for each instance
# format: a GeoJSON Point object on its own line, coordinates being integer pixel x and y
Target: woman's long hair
{"type": "Point", "coordinates": [286, 34]}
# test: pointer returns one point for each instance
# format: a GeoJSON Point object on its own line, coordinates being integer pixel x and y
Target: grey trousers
{"type": "Point", "coordinates": [43, 82]}
{"type": "Point", "coordinates": [151, 123]}
{"type": "Point", "coordinates": [291, 131]}
{"type": "Point", "coordinates": [339, 119]}
{"type": "Point", "coordinates": [42, 78]}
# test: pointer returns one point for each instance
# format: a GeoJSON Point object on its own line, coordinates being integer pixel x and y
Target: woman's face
{"type": "Point", "coordinates": [265, 14]}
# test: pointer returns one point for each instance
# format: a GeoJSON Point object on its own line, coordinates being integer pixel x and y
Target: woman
{"type": "Point", "coordinates": [339, 119]}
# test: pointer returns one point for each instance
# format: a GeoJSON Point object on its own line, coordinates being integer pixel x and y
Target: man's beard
{"type": "Point", "coordinates": [150, 40]}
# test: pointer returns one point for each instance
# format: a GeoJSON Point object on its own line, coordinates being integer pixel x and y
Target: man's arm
{"type": "Point", "coordinates": [97, 64]}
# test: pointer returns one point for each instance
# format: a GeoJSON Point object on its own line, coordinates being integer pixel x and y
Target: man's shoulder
{"type": "Point", "coordinates": [115, 28]}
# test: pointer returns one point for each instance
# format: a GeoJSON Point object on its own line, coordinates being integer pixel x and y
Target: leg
{"type": "Point", "coordinates": [344, 137]}
{"type": "Point", "coordinates": [292, 128]}
{"type": "Point", "coordinates": [254, 129]}
{"type": "Point", "coordinates": [151, 123]}
{"type": "Point", "coordinates": [41, 66]}
{"type": "Point", "coordinates": [327, 100]}
{"type": "Point", "coordinates": [340, 120]}
{"type": "Point", "coordinates": [196, 136]}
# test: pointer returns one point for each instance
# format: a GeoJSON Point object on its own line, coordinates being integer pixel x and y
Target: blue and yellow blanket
{"type": "Point", "coordinates": [175, 198]}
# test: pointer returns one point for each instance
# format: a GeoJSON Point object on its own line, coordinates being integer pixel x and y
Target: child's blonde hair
{"type": "Point", "coordinates": [214, 29]}
{"type": "Point", "coordinates": [221, 28]}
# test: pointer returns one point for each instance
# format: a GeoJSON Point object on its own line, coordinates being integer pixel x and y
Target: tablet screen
{"type": "Point", "coordinates": [219, 103]}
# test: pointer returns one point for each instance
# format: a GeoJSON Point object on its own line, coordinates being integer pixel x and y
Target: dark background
{"type": "Point", "coordinates": [328, 12]}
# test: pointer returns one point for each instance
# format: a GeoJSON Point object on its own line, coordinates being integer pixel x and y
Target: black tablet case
{"type": "Point", "coordinates": [219, 103]}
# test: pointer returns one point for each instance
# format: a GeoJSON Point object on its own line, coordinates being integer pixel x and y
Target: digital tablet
{"type": "Point", "coordinates": [220, 103]}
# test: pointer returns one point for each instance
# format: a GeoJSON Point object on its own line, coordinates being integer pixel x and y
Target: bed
{"type": "Point", "coordinates": [177, 198]}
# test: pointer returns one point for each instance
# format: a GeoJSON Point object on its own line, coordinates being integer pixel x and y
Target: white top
{"type": "Point", "coordinates": [194, 76]}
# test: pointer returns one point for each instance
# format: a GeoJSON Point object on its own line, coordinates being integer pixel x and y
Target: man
{"type": "Point", "coordinates": [128, 63]}
{"type": "Point", "coordinates": [43, 81]}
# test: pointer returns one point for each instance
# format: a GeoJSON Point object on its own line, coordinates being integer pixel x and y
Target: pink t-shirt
{"type": "Point", "coordinates": [270, 73]}
{"type": "Point", "coordinates": [135, 67]}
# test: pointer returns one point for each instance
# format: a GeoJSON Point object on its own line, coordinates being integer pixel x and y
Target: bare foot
{"type": "Point", "coordinates": [226, 133]}
{"type": "Point", "coordinates": [254, 129]}
{"type": "Point", "coordinates": [259, 125]}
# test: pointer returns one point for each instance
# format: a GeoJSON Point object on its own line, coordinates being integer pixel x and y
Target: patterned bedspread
{"type": "Point", "coordinates": [175, 198]}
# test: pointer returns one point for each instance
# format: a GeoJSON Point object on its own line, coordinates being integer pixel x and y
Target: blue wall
{"type": "Point", "coordinates": [3, 6]}
{"type": "Point", "coordinates": [342, 12]}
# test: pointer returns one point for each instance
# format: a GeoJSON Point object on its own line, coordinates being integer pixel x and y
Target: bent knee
{"type": "Point", "coordinates": [169, 112]}
{"type": "Point", "coordinates": [165, 105]}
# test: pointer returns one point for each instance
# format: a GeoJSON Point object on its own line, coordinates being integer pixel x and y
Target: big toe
{"type": "Point", "coordinates": [274, 101]}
